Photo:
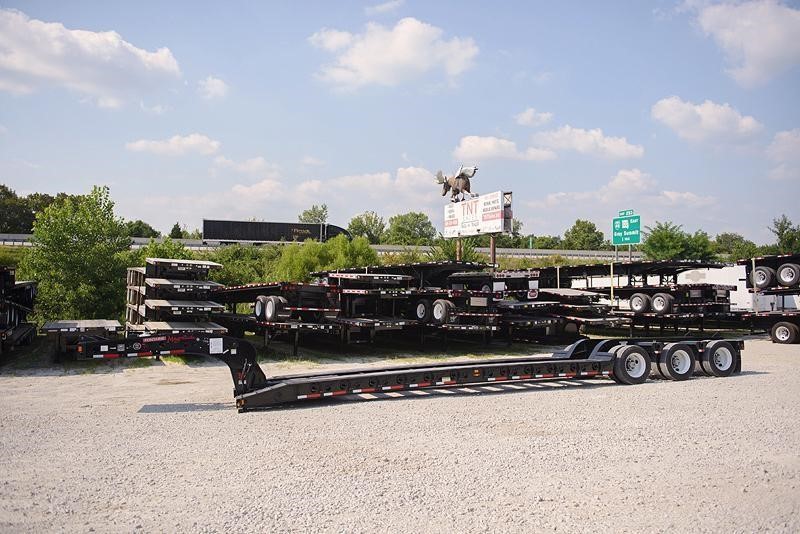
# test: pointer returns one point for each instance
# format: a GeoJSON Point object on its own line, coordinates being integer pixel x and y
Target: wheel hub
{"type": "Point", "coordinates": [722, 358]}
{"type": "Point", "coordinates": [782, 333]}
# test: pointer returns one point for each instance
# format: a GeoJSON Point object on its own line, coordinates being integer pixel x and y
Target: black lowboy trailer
{"type": "Point", "coordinates": [629, 361]}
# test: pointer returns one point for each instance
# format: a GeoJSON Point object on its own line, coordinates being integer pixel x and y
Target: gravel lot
{"type": "Point", "coordinates": [162, 448]}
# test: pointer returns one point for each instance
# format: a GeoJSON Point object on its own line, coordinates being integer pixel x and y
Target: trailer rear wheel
{"type": "Point", "coordinates": [441, 310]}
{"type": "Point", "coordinates": [640, 303]}
{"type": "Point", "coordinates": [788, 274]}
{"type": "Point", "coordinates": [271, 309]}
{"type": "Point", "coordinates": [763, 277]}
{"type": "Point", "coordinates": [631, 365]}
{"type": "Point", "coordinates": [258, 307]}
{"type": "Point", "coordinates": [422, 310]}
{"type": "Point", "coordinates": [676, 361]}
{"type": "Point", "coordinates": [719, 359]}
{"type": "Point", "coordinates": [784, 332]}
{"type": "Point", "coordinates": [662, 303]}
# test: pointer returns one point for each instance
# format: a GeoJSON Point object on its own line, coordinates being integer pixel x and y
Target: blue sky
{"type": "Point", "coordinates": [189, 110]}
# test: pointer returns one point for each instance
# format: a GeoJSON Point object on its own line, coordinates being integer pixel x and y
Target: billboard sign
{"type": "Point", "coordinates": [486, 214]}
{"type": "Point", "coordinates": [626, 229]}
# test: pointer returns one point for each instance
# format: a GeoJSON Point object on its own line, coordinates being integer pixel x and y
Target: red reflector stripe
{"type": "Point", "coordinates": [111, 356]}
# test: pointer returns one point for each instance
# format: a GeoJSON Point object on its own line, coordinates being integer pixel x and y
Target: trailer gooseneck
{"type": "Point", "coordinates": [627, 361]}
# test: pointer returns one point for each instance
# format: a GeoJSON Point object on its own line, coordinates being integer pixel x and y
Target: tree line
{"type": "Point", "coordinates": [82, 249]}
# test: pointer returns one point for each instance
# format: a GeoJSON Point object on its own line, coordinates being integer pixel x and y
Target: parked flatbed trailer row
{"type": "Point", "coordinates": [629, 361]}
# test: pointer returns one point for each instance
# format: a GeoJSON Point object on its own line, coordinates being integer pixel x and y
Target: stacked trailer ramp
{"type": "Point", "coordinates": [171, 296]}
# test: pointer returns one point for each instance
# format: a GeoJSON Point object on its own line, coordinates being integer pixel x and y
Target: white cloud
{"type": "Point", "coordinates": [386, 7]}
{"type": "Point", "coordinates": [212, 87]}
{"type": "Point", "coordinates": [700, 122]}
{"type": "Point", "coordinates": [473, 148]}
{"type": "Point", "coordinates": [785, 152]}
{"type": "Point", "coordinates": [157, 109]}
{"type": "Point", "coordinates": [100, 65]}
{"type": "Point", "coordinates": [391, 56]}
{"type": "Point", "coordinates": [628, 185]}
{"type": "Point", "coordinates": [760, 38]}
{"type": "Point", "coordinates": [3, 130]}
{"type": "Point", "coordinates": [331, 40]}
{"type": "Point", "coordinates": [592, 142]}
{"type": "Point", "coordinates": [176, 146]}
{"type": "Point", "coordinates": [311, 161]}
{"type": "Point", "coordinates": [631, 180]}
{"type": "Point", "coordinates": [531, 117]}
{"type": "Point", "coordinates": [259, 191]}
{"type": "Point", "coordinates": [684, 199]}
{"type": "Point", "coordinates": [251, 166]}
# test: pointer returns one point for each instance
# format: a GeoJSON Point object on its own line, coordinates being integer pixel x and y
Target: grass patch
{"type": "Point", "coordinates": [137, 363]}
{"type": "Point", "coordinates": [180, 360]}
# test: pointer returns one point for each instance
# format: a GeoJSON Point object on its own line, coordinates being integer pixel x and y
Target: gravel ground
{"type": "Point", "coordinates": [162, 448]}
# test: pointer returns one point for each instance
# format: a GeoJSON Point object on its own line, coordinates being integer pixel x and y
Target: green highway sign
{"type": "Point", "coordinates": [626, 229]}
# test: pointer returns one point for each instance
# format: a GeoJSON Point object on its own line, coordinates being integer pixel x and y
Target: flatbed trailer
{"type": "Point", "coordinates": [629, 361]}
{"type": "Point", "coordinates": [774, 276]}
{"type": "Point", "coordinates": [782, 325]}
{"type": "Point", "coordinates": [16, 303]}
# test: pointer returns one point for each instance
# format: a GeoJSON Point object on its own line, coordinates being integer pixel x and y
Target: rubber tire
{"type": "Point", "coordinates": [707, 359]}
{"type": "Point", "coordinates": [621, 372]}
{"type": "Point", "coordinates": [789, 330]}
{"type": "Point", "coordinates": [271, 309]}
{"type": "Point", "coordinates": [645, 300]}
{"type": "Point", "coordinates": [426, 307]}
{"type": "Point", "coordinates": [768, 275]}
{"type": "Point", "coordinates": [446, 308]}
{"type": "Point", "coordinates": [258, 307]}
{"type": "Point", "coordinates": [668, 301]}
{"type": "Point", "coordinates": [665, 367]}
{"type": "Point", "coordinates": [791, 268]}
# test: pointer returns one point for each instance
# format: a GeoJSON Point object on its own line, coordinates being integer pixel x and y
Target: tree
{"type": "Point", "coordinates": [16, 216]}
{"type": "Point", "coordinates": [243, 264]}
{"type": "Point", "coordinates": [176, 232]}
{"type": "Point", "coordinates": [298, 260]}
{"type": "Point", "coordinates": [368, 225]}
{"type": "Point", "coordinates": [314, 215]}
{"type": "Point", "coordinates": [166, 248]}
{"type": "Point", "coordinates": [667, 241]}
{"type": "Point", "coordinates": [139, 228]}
{"type": "Point", "coordinates": [78, 258]}
{"type": "Point", "coordinates": [547, 242]}
{"type": "Point", "coordinates": [698, 246]}
{"type": "Point", "coordinates": [734, 246]}
{"type": "Point", "coordinates": [787, 234]}
{"type": "Point", "coordinates": [413, 228]}
{"type": "Point", "coordinates": [445, 250]}
{"type": "Point", "coordinates": [583, 235]}
{"type": "Point", "coordinates": [664, 241]}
